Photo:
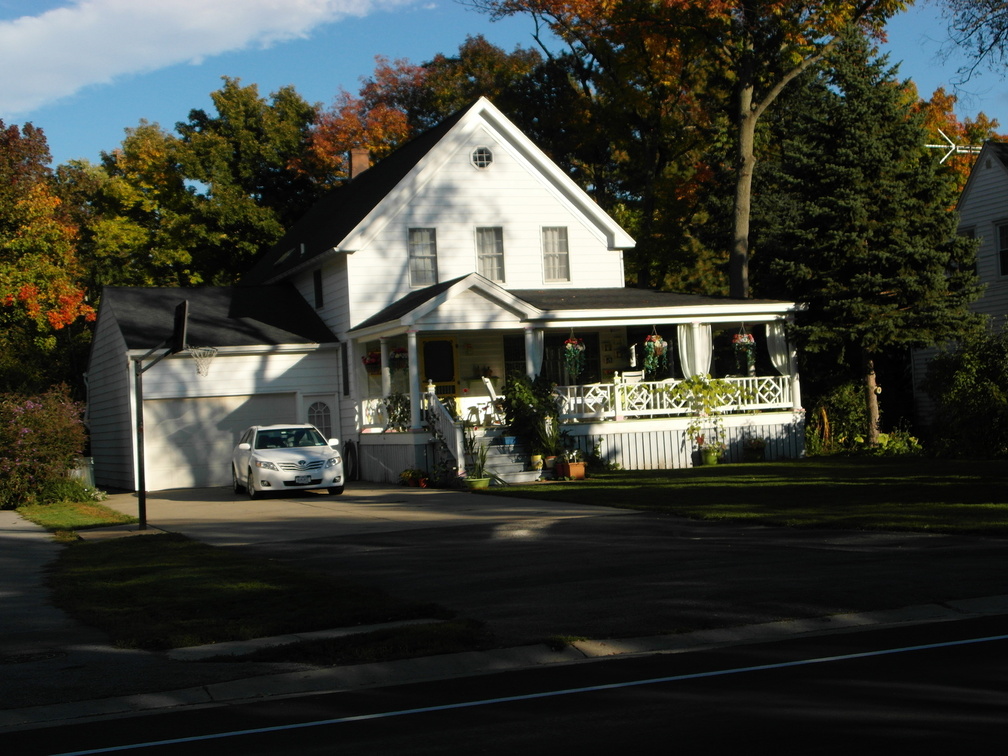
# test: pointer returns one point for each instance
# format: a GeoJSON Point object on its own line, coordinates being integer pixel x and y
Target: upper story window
{"type": "Point", "coordinates": [1002, 242]}
{"type": "Point", "coordinates": [556, 256]}
{"type": "Point", "coordinates": [422, 256]}
{"type": "Point", "coordinates": [490, 253]}
{"type": "Point", "coordinates": [482, 157]}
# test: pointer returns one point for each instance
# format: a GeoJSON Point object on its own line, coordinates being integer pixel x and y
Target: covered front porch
{"type": "Point", "coordinates": [442, 364]}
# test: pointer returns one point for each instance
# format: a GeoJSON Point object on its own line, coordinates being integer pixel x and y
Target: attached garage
{"type": "Point", "coordinates": [275, 361]}
{"type": "Point", "coordinates": [188, 442]}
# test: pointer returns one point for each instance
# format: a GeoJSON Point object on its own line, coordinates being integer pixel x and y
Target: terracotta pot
{"type": "Point", "coordinates": [575, 470]}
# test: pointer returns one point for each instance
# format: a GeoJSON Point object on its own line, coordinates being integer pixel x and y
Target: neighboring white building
{"type": "Point", "coordinates": [983, 215]}
{"type": "Point", "coordinates": [465, 253]}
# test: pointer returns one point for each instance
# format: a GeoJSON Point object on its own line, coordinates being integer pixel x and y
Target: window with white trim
{"type": "Point", "coordinates": [423, 256]}
{"type": "Point", "coordinates": [556, 256]}
{"type": "Point", "coordinates": [482, 157]}
{"type": "Point", "coordinates": [490, 253]}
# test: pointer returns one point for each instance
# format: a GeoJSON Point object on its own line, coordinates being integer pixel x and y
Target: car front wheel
{"type": "Point", "coordinates": [250, 487]}
{"type": "Point", "coordinates": [336, 490]}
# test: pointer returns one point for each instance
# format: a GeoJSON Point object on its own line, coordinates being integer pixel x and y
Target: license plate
{"type": "Point", "coordinates": [302, 480]}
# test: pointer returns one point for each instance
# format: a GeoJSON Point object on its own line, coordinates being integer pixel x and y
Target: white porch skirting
{"type": "Point", "coordinates": [663, 444]}
{"type": "Point", "coordinates": [632, 444]}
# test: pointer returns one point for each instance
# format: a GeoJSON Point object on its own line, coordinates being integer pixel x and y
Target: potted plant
{"type": "Point", "coordinates": [754, 449]}
{"type": "Point", "coordinates": [570, 464]}
{"type": "Point", "coordinates": [549, 440]}
{"type": "Point", "coordinates": [710, 451]}
{"type": "Point", "coordinates": [413, 477]}
{"type": "Point", "coordinates": [476, 454]}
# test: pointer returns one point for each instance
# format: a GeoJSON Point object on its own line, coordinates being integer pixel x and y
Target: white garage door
{"type": "Point", "coordinates": [188, 442]}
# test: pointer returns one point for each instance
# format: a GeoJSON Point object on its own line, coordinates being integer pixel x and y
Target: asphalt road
{"type": "Point", "coordinates": [921, 689]}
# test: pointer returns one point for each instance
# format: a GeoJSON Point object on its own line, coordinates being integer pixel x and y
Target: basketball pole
{"type": "Point", "coordinates": [172, 346]}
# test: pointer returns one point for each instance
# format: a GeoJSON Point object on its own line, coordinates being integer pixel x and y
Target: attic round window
{"type": "Point", "coordinates": [482, 157]}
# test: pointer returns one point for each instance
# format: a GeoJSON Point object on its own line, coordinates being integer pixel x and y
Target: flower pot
{"type": "Point", "coordinates": [550, 461]}
{"type": "Point", "coordinates": [575, 470]}
{"type": "Point", "coordinates": [710, 456]}
{"type": "Point", "coordinates": [536, 462]}
{"type": "Point", "coordinates": [474, 484]}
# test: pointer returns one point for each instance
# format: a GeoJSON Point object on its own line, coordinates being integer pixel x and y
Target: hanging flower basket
{"type": "Point", "coordinates": [399, 358]}
{"type": "Point", "coordinates": [574, 358]}
{"type": "Point", "coordinates": [372, 362]}
{"type": "Point", "coordinates": [655, 354]}
{"type": "Point", "coordinates": [745, 351]}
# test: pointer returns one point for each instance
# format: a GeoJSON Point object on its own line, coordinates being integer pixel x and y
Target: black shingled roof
{"type": "Point", "coordinates": [219, 316]}
{"type": "Point", "coordinates": [334, 216]}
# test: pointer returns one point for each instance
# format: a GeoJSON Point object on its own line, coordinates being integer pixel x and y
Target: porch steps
{"type": "Point", "coordinates": [507, 460]}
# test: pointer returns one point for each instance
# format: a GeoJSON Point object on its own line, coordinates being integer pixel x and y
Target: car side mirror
{"type": "Point", "coordinates": [333, 442]}
{"type": "Point", "coordinates": [245, 446]}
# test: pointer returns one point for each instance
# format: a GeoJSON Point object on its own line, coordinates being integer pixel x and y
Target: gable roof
{"type": "Point", "coordinates": [335, 218]}
{"type": "Point", "coordinates": [219, 316]}
{"type": "Point", "coordinates": [996, 150]}
{"type": "Point", "coordinates": [340, 211]}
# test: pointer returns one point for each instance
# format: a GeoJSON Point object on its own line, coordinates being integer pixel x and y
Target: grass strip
{"type": "Point", "coordinates": [165, 591]}
{"type": "Point", "coordinates": [912, 494]}
{"type": "Point", "coordinates": [65, 517]}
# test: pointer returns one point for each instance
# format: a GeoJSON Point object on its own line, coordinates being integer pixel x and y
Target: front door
{"type": "Point", "coordinates": [439, 364]}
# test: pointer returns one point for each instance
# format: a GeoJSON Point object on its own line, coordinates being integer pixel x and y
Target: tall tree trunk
{"type": "Point", "coordinates": [738, 264]}
{"type": "Point", "coordinates": [738, 261]}
{"type": "Point", "coordinates": [871, 398]}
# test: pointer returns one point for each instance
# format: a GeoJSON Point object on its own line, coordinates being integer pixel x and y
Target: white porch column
{"type": "Point", "coordinates": [386, 373]}
{"type": "Point", "coordinates": [414, 379]}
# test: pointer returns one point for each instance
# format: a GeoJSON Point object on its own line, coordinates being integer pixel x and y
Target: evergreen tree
{"type": "Point", "coordinates": [862, 229]}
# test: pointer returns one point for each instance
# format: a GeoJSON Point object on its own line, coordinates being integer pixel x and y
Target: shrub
{"type": "Point", "coordinates": [40, 437]}
{"type": "Point", "coordinates": [837, 421]}
{"type": "Point", "coordinates": [969, 386]}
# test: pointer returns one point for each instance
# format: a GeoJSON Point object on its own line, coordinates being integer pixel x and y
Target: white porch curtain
{"type": "Point", "coordinates": [695, 348]}
{"type": "Point", "coordinates": [534, 349]}
{"type": "Point", "coordinates": [782, 356]}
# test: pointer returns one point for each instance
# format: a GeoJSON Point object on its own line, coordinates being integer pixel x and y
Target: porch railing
{"type": "Point", "coordinates": [440, 421]}
{"type": "Point", "coordinates": [618, 401]}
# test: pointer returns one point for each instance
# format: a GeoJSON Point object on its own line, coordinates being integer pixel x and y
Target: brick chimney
{"type": "Point", "coordinates": [360, 161]}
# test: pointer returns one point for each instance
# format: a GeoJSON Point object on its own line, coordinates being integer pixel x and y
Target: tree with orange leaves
{"type": "Point", "coordinates": [946, 129]}
{"type": "Point", "coordinates": [39, 291]}
{"type": "Point", "coordinates": [759, 47]}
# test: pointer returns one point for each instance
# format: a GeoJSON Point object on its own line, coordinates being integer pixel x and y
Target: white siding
{"type": "Point", "coordinates": [456, 200]}
{"type": "Point", "coordinates": [109, 410]}
{"type": "Point", "coordinates": [981, 210]}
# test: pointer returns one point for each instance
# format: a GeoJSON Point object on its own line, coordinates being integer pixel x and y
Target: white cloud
{"type": "Point", "coordinates": [57, 53]}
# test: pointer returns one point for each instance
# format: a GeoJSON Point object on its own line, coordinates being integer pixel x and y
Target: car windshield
{"type": "Point", "coordinates": [286, 438]}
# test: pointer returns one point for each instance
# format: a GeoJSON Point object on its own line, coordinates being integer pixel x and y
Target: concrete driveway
{"type": "Point", "coordinates": [221, 517]}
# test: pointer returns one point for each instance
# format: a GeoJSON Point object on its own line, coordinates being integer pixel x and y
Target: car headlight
{"type": "Point", "coordinates": [333, 461]}
{"type": "Point", "coordinates": [265, 464]}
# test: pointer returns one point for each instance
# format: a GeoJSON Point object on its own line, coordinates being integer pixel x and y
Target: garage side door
{"type": "Point", "coordinates": [188, 442]}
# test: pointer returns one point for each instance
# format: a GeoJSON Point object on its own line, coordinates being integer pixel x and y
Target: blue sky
{"type": "Point", "coordinates": [84, 70]}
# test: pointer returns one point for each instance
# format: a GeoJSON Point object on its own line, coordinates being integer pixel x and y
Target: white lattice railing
{"type": "Point", "coordinates": [596, 401]}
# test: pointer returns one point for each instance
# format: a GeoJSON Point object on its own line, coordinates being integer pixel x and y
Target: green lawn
{"type": "Point", "coordinates": [952, 496]}
{"type": "Point", "coordinates": [165, 591]}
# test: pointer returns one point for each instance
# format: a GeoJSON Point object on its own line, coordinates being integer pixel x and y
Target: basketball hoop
{"type": "Point", "coordinates": [203, 356]}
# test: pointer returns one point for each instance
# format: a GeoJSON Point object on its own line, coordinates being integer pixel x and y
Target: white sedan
{"type": "Point", "coordinates": [286, 458]}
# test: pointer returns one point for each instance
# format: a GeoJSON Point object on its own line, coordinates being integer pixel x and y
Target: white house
{"type": "Point", "coordinates": [983, 215]}
{"type": "Point", "coordinates": [467, 254]}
